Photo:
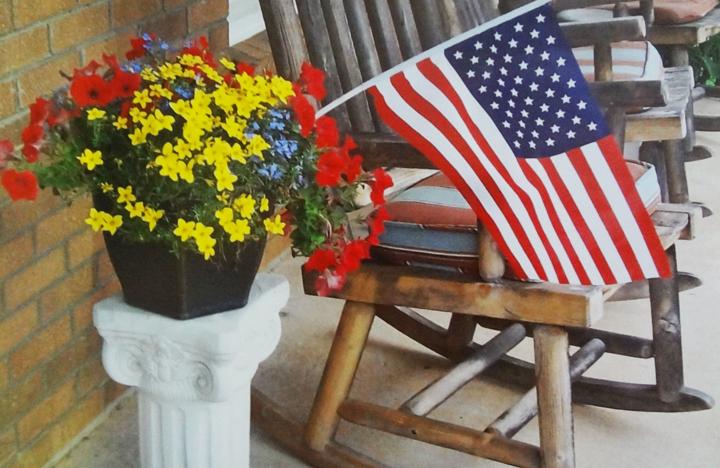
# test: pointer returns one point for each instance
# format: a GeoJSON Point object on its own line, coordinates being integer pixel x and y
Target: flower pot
{"type": "Point", "coordinates": [186, 286]}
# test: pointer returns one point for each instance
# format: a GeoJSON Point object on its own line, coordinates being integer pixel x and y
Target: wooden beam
{"type": "Point", "coordinates": [515, 418]}
{"type": "Point", "coordinates": [583, 33]}
{"type": "Point", "coordinates": [425, 288]}
{"type": "Point", "coordinates": [440, 433]}
{"type": "Point", "coordinates": [443, 388]}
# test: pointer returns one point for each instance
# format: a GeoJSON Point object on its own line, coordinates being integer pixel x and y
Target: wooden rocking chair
{"type": "Point", "coordinates": [355, 41]}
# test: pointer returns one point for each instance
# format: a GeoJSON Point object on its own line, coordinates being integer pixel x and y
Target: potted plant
{"type": "Point", "coordinates": [191, 163]}
{"type": "Point", "coordinates": [705, 61]}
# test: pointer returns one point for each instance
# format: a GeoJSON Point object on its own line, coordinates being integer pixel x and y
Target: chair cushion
{"type": "Point", "coordinates": [666, 11]}
{"type": "Point", "coordinates": [431, 224]}
{"type": "Point", "coordinates": [631, 61]}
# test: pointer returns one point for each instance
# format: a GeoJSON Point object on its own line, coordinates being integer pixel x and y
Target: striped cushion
{"type": "Point", "coordinates": [431, 224]}
{"type": "Point", "coordinates": [666, 11]}
{"type": "Point", "coordinates": [631, 61]}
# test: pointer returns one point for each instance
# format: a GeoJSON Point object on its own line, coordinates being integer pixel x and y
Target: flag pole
{"type": "Point", "coordinates": [428, 53]}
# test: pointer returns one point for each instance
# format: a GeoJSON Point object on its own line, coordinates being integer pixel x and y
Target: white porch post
{"type": "Point", "coordinates": [193, 377]}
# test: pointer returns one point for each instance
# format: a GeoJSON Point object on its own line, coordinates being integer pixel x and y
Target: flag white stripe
{"type": "Point", "coordinates": [507, 158]}
{"type": "Point", "coordinates": [443, 105]}
{"type": "Point", "coordinates": [567, 223]}
{"type": "Point", "coordinates": [433, 135]}
{"type": "Point", "coordinates": [621, 208]}
{"type": "Point", "coordinates": [589, 213]}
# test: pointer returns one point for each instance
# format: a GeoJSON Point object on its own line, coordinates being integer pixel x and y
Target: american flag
{"type": "Point", "coordinates": [503, 110]}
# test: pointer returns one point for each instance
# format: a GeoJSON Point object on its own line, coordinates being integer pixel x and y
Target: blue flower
{"type": "Point", "coordinates": [272, 172]}
{"type": "Point", "coordinates": [286, 148]}
{"type": "Point", "coordinates": [133, 66]}
{"type": "Point", "coordinates": [184, 92]}
{"type": "Point", "coordinates": [164, 45]}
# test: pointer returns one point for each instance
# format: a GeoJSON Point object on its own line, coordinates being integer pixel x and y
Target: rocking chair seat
{"type": "Point", "coordinates": [432, 225]}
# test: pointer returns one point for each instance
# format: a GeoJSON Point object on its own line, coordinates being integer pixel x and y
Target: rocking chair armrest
{"type": "Point", "coordinates": [560, 5]}
{"type": "Point", "coordinates": [630, 93]}
{"type": "Point", "coordinates": [586, 33]}
{"type": "Point", "coordinates": [388, 150]}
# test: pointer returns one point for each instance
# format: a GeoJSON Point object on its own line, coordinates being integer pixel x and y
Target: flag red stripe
{"type": "Point", "coordinates": [426, 109]}
{"type": "Point", "coordinates": [427, 148]}
{"type": "Point", "coordinates": [555, 219]}
{"type": "Point", "coordinates": [581, 225]}
{"type": "Point", "coordinates": [437, 77]}
{"type": "Point", "coordinates": [606, 213]}
{"type": "Point", "coordinates": [612, 154]}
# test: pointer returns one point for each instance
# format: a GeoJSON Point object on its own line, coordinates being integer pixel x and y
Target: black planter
{"type": "Point", "coordinates": [187, 286]}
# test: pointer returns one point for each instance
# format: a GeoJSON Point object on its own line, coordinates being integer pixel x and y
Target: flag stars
{"type": "Point", "coordinates": [592, 126]}
{"type": "Point", "coordinates": [511, 103]}
{"type": "Point", "coordinates": [524, 113]}
{"type": "Point", "coordinates": [471, 74]}
{"type": "Point", "coordinates": [560, 62]}
{"type": "Point", "coordinates": [571, 83]}
{"type": "Point", "coordinates": [539, 71]}
{"type": "Point", "coordinates": [501, 82]}
{"type": "Point", "coordinates": [498, 93]}
{"type": "Point", "coordinates": [518, 27]}
{"type": "Point", "coordinates": [509, 113]}
{"type": "Point", "coordinates": [550, 40]}
{"type": "Point", "coordinates": [528, 101]}
{"type": "Point", "coordinates": [520, 134]}
{"type": "Point", "coordinates": [576, 120]}
{"type": "Point", "coordinates": [513, 43]}
{"type": "Point", "coordinates": [495, 105]}
{"type": "Point", "coordinates": [529, 50]}
{"type": "Point", "coordinates": [550, 142]}
{"type": "Point", "coordinates": [582, 105]}
{"type": "Point", "coordinates": [565, 99]}
{"type": "Point", "coordinates": [486, 75]}
{"type": "Point", "coordinates": [506, 124]}
{"type": "Point", "coordinates": [493, 49]}
{"type": "Point", "coordinates": [540, 18]}
{"type": "Point", "coordinates": [522, 124]}
{"type": "Point", "coordinates": [570, 134]}
{"type": "Point", "coordinates": [555, 129]}
{"type": "Point", "coordinates": [539, 122]}
{"type": "Point", "coordinates": [503, 71]}
{"type": "Point", "coordinates": [532, 145]}
{"type": "Point", "coordinates": [507, 58]}
{"type": "Point", "coordinates": [518, 80]}
{"type": "Point", "coordinates": [490, 62]}
{"type": "Point", "coordinates": [474, 59]}
{"type": "Point", "coordinates": [458, 55]}
{"type": "Point", "coordinates": [516, 143]}
{"type": "Point", "coordinates": [534, 33]}
{"type": "Point", "coordinates": [545, 56]}
{"type": "Point", "coordinates": [478, 45]}
{"type": "Point", "coordinates": [550, 93]}
{"type": "Point", "coordinates": [535, 134]}
{"type": "Point", "coordinates": [560, 114]}
{"type": "Point", "coordinates": [555, 78]}
{"type": "Point", "coordinates": [534, 87]}
{"type": "Point", "coordinates": [482, 89]}
{"type": "Point", "coordinates": [544, 108]}
{"type": "Point", "coordinates": [523, 65]}
{"type": "Point", "coordinates": [498, 36]}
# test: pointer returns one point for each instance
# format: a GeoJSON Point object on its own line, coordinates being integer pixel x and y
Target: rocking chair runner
{"type": "Point", "coordinates": [354, 41]}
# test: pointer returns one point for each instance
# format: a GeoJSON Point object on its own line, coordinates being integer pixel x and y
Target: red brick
{"type": "Point", "coordinates": [71, 289]}
{"type": "Point", "coordinates": [62, 432]}
{"type": "Point", "coordinates": [105, 270]}
{"type": "Point", "coordinates": [24, 285]}
{"type": "Point", "coordinates": [20, 49]}
{"type": "Point", "coordinates": [8, 98]}
{"type": "Point", "coordinates": [5, 17]}
{"type": "Point", "coordinates": [73, 357]}
{"type": "Point", "coordinates": [4, 376]}
{"type": "Point", "coordinates": [18, 215]}
{"type": "Point", "coordinates": [82, 315]}
{"type": "Point", "coordinates": [171, 4]}
{"type": "Point", "coordinates": [30, 87]}
{"type": "Point", "coordinates": [84, 245]}
{"type": "Point", "coordinates": [171, 27]}
{"type": "Point", "coordinates": [124, 12]}
{"type": "Point", "coordinates": [15, 254]}
{"type": "Point", "coordinates": [40, 347]}
{"type": "Point", "coordinates": [79, 26]}
{"type": "Point", "coordinates": [16, 327]}
{"type": "Point", "coordinates": [219, 36]}
{"type": "Point", "coordinates": [113, 391]}
{"type": "Point", "coordinates": [90, 376]}
{"type": "Point", "coordinates": [204, 12]}
{"type": "Point", "coordinates": [17, 400]}
{"type": "Point", "coordinates": [59, 226]}
{"type": "Point", "coordinates": [45, 413]}
{"type": "Point", "coordinates": [30, 11]}
{"type": "Point", "coordinates": [11, 127]}
{"type": "Point", "coordinates": [116, 44]}
{"type": "Point", "coordinates": [8, 445]}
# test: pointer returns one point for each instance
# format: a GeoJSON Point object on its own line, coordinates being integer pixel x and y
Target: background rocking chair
{"type": "Point", "coordinates": [354, 41]}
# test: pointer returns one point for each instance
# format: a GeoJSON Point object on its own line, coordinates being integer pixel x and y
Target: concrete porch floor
{"type": "Point", "coordinates": [393, 368]}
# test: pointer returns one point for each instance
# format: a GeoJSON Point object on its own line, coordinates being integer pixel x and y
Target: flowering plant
{"type": "Point", "coordinates": [198, 154]}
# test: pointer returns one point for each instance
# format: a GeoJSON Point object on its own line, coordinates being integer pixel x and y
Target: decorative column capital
{"type": "Point", "coordinates": [204, 359]}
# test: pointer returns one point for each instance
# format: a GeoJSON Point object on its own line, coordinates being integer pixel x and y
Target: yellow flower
{"type": "Point", "coordinates": [225, 216]}
{"type": "Point", "coordinates": [184, 229]}
{"type": "Point", "coordinates": [142, 98]}
{"type": "Point", "coordinates": [185, 171]}
{"type": "Point", "coordinates": [106, 188]}
{"type": "Point", "coordinates": [125, 195]}
{"type": "Point", "coordinates": [96, 219]}
{"type": "Point", "coordinates": [111, 223]}
{"type": "Point", "coordinates": [274, 225]}
{"type": "Point", "coordinates": [151, 217]}
{"type": "Point", "coordinates": [121, 123]}
{"type": "Point", "coordinates": [190, 60]}
{"type": "Point", "coordinates": [136, 211]}
{"type": "Point", "coordinates": [136, 114]}
{"type": "Point", "coordinates": [245, 205]}
{"type": "Point", "coordinates": [95, 114]}
{"type": "Point", "coordinates": [281, 88]}
{"type": "Point", "coordinates": [224, 179]}
{"type": "Point", "coordinates": [264, 205]}
{"type": "Point", "coordinates": [238, 230]}
{"type": "Point", "coordinates": [137, 137]}
{"type": "Point", "coordinates": [157, 90]}
{"type": "Point", "coordinates": [204, 240]}
{"type": "Point", "coordinates": [229, 64]}
{"type": "Point", "coordinates": [257, 146]}
{"type": "Point", "coordinates": [148, 74]}
{"type": "Point", "coordinates": [90, 159]}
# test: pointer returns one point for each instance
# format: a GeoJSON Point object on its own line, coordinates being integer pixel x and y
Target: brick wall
{"type": "Point", "coordinates": [52, 269]}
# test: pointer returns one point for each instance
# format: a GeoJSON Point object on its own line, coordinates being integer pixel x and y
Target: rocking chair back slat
{"type": "Point", "coordinates": [407, 32]}
{"type": "Point", "coordinates": [321, 54]}
{"type": "Point", "coordinates": [348, 67]}
{"type": "Point", "coordinates": [285, 35]}
{"type": "Point", "coordinates": [386, 38]}
{"type": "Point", "coordinates": [432, 32]}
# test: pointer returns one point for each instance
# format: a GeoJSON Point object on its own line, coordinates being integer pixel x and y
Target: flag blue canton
{"type": "Point", "coordinates": [524, 75]}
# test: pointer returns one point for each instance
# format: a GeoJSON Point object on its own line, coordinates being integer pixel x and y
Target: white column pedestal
{"type": "Point", "coordinates": [193, 377]}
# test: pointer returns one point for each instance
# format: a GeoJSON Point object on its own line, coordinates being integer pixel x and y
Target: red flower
{"type": "Point", "coordinates": [6, 152]}
{"type": "Point", "coordinates": [381, 181]}
{"type": "Point", "coordinates": [242, 67]}
{"type": "Point", "coordinates": [328, 282]}
{"type": "Point", "coordinates": [137, 50]}
{"type": "Point", "coordinates": [314, 80]}
{"type": "Point", "coordinates": [327, 132]}
{"type": "Point", "coordinates": [90, 90]}
{"type": "Point", "coordinates": [31, 153]}
{"type": "Point", "coordinates": [59, 117]}
{"type": "Point", "coordinates": [124, 84]}
{"type": "Point", "coordinates": [305, 113]}
{"type": "Point", "coordinates": [377, 225]}
{"type": "Point", "coordinates": [89, 69]}
{"type": "Point", "coordinates": [20, 185]}
{"type": "Point", "coordinates": [111, 61]}
{"type": "Point", "coordinates": [355, 252]}
{"type": "Point", "coordinates": [39, 110]}
{"type": "Point", "coordinates": [321, 260]}
{"type": "Point", "coordinates": [32, 134]}
{"type": "Point", "coordinates": [330, 166]}
{"type": "Point", "coordinates": [354, 169]}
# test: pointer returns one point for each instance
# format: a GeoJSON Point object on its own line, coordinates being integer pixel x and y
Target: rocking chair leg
{"type": "Point", "coordinates": [340, 368]}
{"type": "Point", "coordinates": [665, 307]}
{"type": "Point", "coordinates": [552, 370]}
{"type": "Point", "coordinates": [675, 167]}
{"type": "Point", "coordinates": [460, 331]}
